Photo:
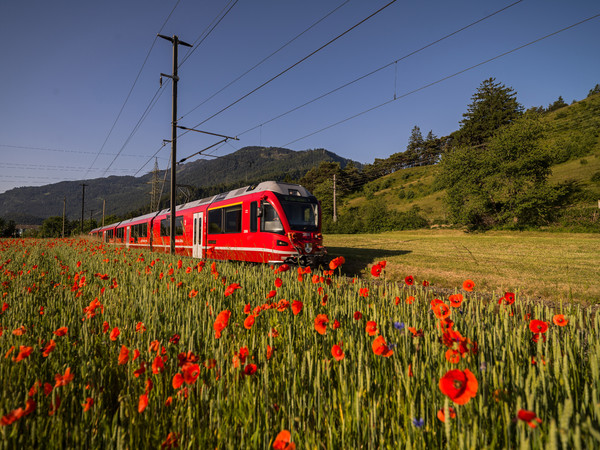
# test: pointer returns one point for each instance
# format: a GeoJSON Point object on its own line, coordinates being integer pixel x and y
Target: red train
{"type": "Point", "coordinates": [269, 223]}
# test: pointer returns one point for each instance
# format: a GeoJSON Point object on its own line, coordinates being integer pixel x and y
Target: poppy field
{"type": "Point", "coordinates": [105, 347]}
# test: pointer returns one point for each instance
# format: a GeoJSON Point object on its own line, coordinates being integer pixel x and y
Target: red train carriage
{"type": "Point", "coordinates": [272, 223]}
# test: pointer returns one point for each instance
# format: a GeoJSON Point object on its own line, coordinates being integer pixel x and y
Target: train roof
{"type": "Point", "coordinates": [265, 186]}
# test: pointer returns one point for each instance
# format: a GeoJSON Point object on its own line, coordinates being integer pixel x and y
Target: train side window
{"type": "Point", "coordinates": [179, 226]}
{"type": "Point", "coordinates": [120, 233]}
{"type": "Point", "coordinates": [215, 221]}
{"type": "Point", "coordinates": [253, 217]}
{"type": "Point", "coordinates": [270, 221]}
{"type": "Point", "coordinates": [165, 228]}
{"type": "Point", "coordinates": [233, 219]}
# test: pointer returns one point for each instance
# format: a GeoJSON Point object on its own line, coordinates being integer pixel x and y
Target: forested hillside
{"type": "Point", "coordinates": [503, 168]}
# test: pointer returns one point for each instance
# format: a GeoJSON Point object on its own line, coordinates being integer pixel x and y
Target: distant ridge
{"type": "Point", "coordinates": [125, 194]}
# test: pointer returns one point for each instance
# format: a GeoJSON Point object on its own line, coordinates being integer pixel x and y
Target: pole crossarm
{"type": "Point", "coordinates": [208, 132]}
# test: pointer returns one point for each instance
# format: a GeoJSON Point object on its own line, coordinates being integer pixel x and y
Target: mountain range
{"type": "Point", "coordinates": [127, 195]}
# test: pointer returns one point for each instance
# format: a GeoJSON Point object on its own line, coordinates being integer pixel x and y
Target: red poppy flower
{"type": "Point", "coordinates": [455, 300]}
{"type": "Point", "coordinates": [363, 292]}
{"type": "Point", "coordinates": [297, 307]}
{"type": "Point", "coordinates": [425, 283]}
{"type": "Point", "coordinates": [509, 298]}
{"type": "Point", "coordinates": [88, 404]}
{"type": "Point", "coordinates": [177, 381]}
{"type": "Point", "coordinates": [61, 331]}
{"type": "Point", "coordinates": [468, 285]}
{"type": "Point", "coordinates": [380, 347]}
{"type": "Point", "coordinates": [143, 403]}
{"type": "Point", "coordinates": [250, 369]}
{"type": "Point", "coordinates": [269, 351]}
{"type": "Point", "coordinates": [171, 441]}
{"type": "Point", "coordinates": [231, 289]}
{"type": "Point", "coordinates": [221, 322]}
{"type": "Point", "coordinates": [376, 270]}
{"type": "Point", "coordinates": [538, 326]}
{"type": "Point", "coordinates": [140, 327]}
{"type": "Point", "coordinates": [442, 416]}
{"type": "Point", "coordinates": [114, 334]}
{"type": "Point", "coordinates": [282, 305]}
{"type": "Point", "coordinates": [452, 356]}
{"type": "Point", "coordinates": [249, 322]}
{"type": "Point", "coordinates": [63, 380]}
{"type": "Point", "coordinates": [371, 328]}
{"type": "Point", "coordinates": [410, 300]}
{"type": "Point", "coordinates": [559, 319]}
{"type": "Point", "coordinates": [271, 294]}
{"type": "Point", "coordinates": [190, 372]}
{"type": "Point", "coordinates": [441, 311]}
{"type": "Point", "coordinates": [158, 365]}
{"type": "Point", "coordinates": [278, 282]}
{"type": "Point", "coordinates": [529, 417]}
{"type": "Point", "coordinates": [336, 324]}
{"type": "Point", "coordinates": [357, 315]}
{"type": "Point", "coordinates": [460, 386]}
{"type": "Point", "coordinates": [337, 353]}
{"type": "Point", "coordinates": [321, 322]}
{"type": "Point", "coordinates": [409, 280]}
{"type": "Point", "coordinates": [24, 352]}
{"type": "Point", "coordinates": [193, 293]}
{"type": "Point", "coordinates": [336, 262]}
{"type": "Point", "coordinates": [49, 348]}
{"type": "Point", "coordinates": [282, 441]}
{"type": "Point", "coordinates": [123, 355]}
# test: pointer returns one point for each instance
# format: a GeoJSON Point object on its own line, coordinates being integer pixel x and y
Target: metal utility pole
{"type": "Point", "coordinates": [334, 201]}
{"type": "Point", "coordinates": [83, 185]}
{"type": "Point", "coordinates": [174, 78]}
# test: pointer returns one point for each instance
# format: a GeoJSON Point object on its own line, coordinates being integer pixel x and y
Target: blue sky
{"type": "Point", "coordinates": [68, 66]}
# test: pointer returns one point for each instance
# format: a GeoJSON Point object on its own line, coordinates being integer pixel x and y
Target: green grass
{"type": "Point", "coordinates": [363, 401]}
{"type": "Point", "coordinates": [552, 267]}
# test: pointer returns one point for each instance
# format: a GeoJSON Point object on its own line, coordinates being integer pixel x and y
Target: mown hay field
{"type": "Point", "coordinates": [549, 267]}
{"type": "Point", "coordinates": [104, 347]}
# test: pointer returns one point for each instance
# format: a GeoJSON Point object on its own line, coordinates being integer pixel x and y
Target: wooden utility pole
{"type": "Point", "coordinates": [83, 185]}
{"type": "Point", "coordinates": [174, 78]}
{"type": "Point", "coordinates": [64, 212]}
{"type": "Point", "coordinates": [334, 201]}
{"type": "Point", "coordinates": [103, 210]}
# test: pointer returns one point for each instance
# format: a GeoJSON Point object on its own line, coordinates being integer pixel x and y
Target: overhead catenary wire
{"type": "Point", "coordinates": [131, 89]}
{"type": "Point", "coordinates": [265, 59]}
{"type": "Point", "coordinates": [216, 21]}
{"type": "Point", "coordinates": [373, 72]}
{"type": "Point", "coordinates": [440, 80]}
{"type": "Point", "coordinates": [293, 65]}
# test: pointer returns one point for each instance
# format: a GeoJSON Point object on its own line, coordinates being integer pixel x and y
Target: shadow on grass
{"type": "Point", "coordinates": [358, 259]}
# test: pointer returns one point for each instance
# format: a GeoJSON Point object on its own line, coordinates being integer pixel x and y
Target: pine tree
{"type": "Point", "coordinates": [415, 147]}
{"type": "Point", "coordinates": [559, 103]}
{"type": "Point", "coordinates": [492, 106]}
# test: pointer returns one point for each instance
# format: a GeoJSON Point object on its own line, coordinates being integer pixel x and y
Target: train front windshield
{"type": "Point", "coordinates": [302, 213]}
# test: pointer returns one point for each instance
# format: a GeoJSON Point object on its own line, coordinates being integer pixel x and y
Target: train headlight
{"type": "Point", "coordinates": [308, 247]}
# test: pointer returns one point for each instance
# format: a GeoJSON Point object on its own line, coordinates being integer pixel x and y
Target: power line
{"type": "Point", "coordinates": [373, 72]}
{"type": "Point", "coordinates": [201, 39]}
{"type": "Point", "coordinates": [153, 102]}
{"type": "Point", "coordinates": [131, 89]}
{"type": "Point", "coordinates": [264, 60]}
{"type": "Point", "coordinates": [292, 66]}
{"type": "Point", "coordinates": [441, 80]}
{"type": "Point", "coordinates": [22, 147]}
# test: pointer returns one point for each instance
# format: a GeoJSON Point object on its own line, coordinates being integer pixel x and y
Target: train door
{"type": "Point", "coordinates": [198, 236]}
